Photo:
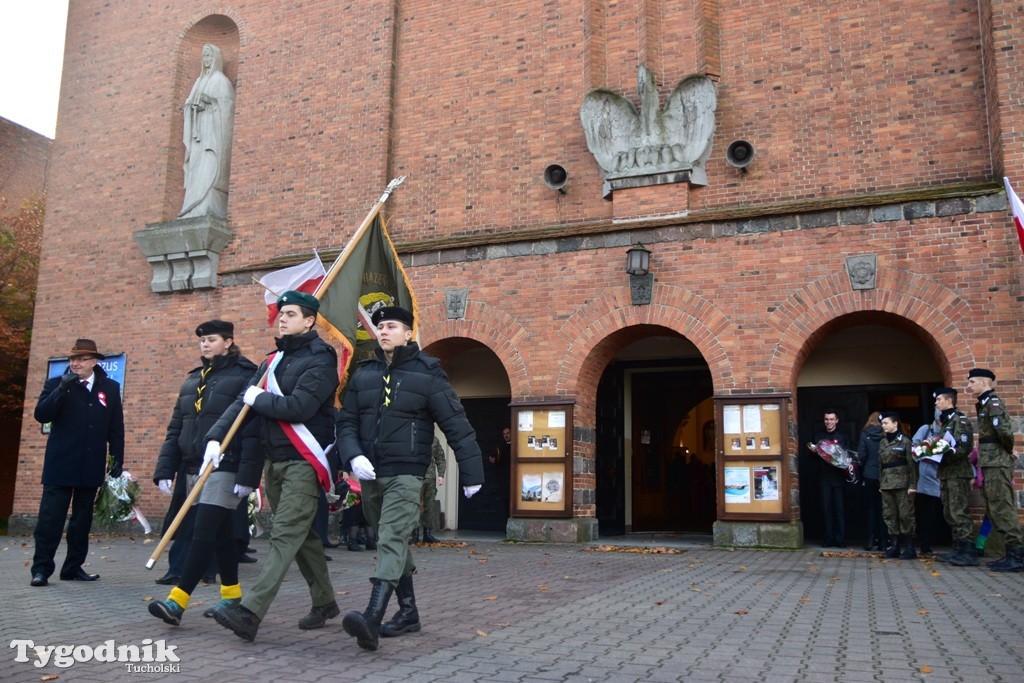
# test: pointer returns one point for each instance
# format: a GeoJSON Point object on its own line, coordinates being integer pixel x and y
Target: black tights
{"type": "Point", "coordinates": [214, 532]}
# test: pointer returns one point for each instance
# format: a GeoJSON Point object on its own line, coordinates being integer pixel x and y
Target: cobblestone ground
{"type": "Point", "coordinates": [495, 611]}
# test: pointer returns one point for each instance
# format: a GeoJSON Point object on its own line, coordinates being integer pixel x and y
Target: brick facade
{"type": "Point", "coordinates": [881, 129]}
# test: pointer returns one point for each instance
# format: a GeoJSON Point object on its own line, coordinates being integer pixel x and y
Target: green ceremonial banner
{"type": "Point", "coordinates": [371, 278]}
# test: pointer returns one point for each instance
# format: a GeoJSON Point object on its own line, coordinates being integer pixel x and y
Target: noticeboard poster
{"type": "Point", "coordinates": [542, 460]}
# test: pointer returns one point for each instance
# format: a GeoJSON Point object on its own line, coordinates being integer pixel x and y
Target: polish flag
{"type": "Point", "coordinates": [305, 277]}
{"type": "Point", "coordinates": [1018, 211]}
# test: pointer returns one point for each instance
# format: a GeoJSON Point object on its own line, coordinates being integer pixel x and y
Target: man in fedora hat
{"type": "Point", "coordinates": [83, 407]}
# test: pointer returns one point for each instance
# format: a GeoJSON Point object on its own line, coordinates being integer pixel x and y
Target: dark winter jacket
{"type": "Point", "coordinates": [867, 451]}
{"type": "Point", "coordinates": [185, 442]}
{"type": "Point", "coordinates": [83, 426]}
{"type": "Point", "coordinates": [388, 415]}
{"type": "Point", "coordinates": [308, 377]}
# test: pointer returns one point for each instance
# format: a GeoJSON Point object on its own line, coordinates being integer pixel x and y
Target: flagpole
{"type": "Point", "coordinates": [328, 278]}
{"type": "Point", "coordinates": [335, 268]}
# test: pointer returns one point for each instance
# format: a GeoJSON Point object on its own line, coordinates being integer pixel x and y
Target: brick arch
{"type": "Point", "coordinates": [920, 306]}
{"type": "Point", "coordinates": [487, 324]}
{"type": "Point", "coordinates": [673, 308]}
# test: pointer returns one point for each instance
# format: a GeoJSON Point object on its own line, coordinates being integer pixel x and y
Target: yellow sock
{"type": "Point", "coordinates": [179, 596]}
{"type": "Point", "coordinates": [231, 592]}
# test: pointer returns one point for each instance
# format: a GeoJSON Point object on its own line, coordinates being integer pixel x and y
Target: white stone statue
{"type": "Point", "coordinates": [209, 120]}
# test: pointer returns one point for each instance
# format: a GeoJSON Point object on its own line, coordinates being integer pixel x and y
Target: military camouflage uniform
{"type": "Point", "coordinates": [955, 473]}
{"type": "Point", "coordinates": [995, 448]}
{"type": "Point", "coordinates": [436, 469]}
{"type": "Point", "coordinates": [898, 474]}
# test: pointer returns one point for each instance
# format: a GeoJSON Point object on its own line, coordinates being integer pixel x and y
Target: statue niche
{"type": "Point", "coordinates": [651, 146]}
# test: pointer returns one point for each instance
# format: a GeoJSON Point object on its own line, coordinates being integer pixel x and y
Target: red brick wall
{"type": "Point", "coordinates": [473, 101]}
{"type": "Point", "coordinates": [24, 155]}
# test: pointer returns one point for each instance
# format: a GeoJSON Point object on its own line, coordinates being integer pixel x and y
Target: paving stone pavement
{"type": "Point", "coordinates": [495, 611]}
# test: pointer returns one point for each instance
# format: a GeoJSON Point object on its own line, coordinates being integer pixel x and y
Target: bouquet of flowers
{"type": "Point", "coordinates": [116, 503]}
{"type": "Point", "coordinates": [253, 505]}
{"type": "Point", "coordinates": [931, 448]}
{"type": "Point", "coordinates": [831, 452]}
{"type": "Point", "coordinates": [347, 492]}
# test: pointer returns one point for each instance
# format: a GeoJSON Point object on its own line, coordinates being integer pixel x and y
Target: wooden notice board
{"type": "Point", "coordinates": [752, 457]}
{"type": "Point", "coordinates": [542, 459]}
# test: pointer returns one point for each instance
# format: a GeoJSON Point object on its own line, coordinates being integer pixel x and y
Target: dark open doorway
{"type": "Point", "coordinates": [655, 448]}
{"type": "Point", "coordinates": [488, 509]}
{"type": "Point", "coordinates": [853, 404]}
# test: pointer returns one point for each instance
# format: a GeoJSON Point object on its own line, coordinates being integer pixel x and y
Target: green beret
{"type": "Point", "coordinates": [298, 299]}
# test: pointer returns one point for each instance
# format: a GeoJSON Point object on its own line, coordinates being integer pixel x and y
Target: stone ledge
{"type": "Point", "coordinates": [579, 530]}
{"type": "Point", "coordinates": [759, 534]}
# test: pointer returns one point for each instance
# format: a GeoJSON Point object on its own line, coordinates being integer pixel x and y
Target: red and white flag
{"type": "Point", "coordinates": [305, 277]}
{"type": "Point", "coordinates": [1018, 211]}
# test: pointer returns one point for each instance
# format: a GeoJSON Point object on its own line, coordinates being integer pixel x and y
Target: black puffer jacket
{"type": "Point", "coordinates": [185, 442]}
{"type": "Point", "coordinates": [397, 437]}
{"type": "Point", "coordinates": [308, 377]}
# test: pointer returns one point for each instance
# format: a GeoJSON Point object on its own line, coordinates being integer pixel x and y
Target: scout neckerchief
{"type": "Point", "coordinates": [300, 436]}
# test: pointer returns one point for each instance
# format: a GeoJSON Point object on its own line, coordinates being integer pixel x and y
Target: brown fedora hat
{"type": "Point", "coordinates": [85, 347]}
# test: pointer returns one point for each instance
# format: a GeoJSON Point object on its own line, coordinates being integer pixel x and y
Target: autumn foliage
{"type": "Point", "coordinates": [20, 235]}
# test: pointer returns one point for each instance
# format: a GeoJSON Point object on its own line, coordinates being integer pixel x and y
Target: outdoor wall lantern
{"type": "Point", "coordinates": [641, 280]}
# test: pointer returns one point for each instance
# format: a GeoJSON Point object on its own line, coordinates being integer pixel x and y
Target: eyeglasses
{"type": "Point", "coordinates": [82, 359]}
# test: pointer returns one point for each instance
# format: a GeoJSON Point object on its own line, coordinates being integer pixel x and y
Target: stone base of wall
{"type": "Point", "coordinates": [580, 530]}
{"type": "Point", "coordinates": [759, 534]}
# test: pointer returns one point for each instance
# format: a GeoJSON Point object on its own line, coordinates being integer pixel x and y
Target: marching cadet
{"type": "Point", "coordinates": [897, 483]}
{"type": "Point", "coordinates": [995, 457]}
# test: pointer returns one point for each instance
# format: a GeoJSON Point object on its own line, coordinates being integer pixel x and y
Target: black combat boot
{"type": "Point", "coordinates": [429, 537]}
{"type": "Point", "coordinates": [946, 557]}
{"type": "Point", "coordinates": [371, 540]}
{"type": "Point", "coordinates": [1012, 562]}
{"type": "Point", "coordinates": [870, 545]}
{"type": "Point", "coordinates": [908, 548]}
{"type": "Point", "coordinates": [415, 538]}
{"type": "Point", "coordinates": [365, 626]}
{"type": "Point", "coordinates": [963, 555]}
{"type": "Point", "coordinates": [894, 547]}
{"type": "Point", "coordinates": [407, 618]}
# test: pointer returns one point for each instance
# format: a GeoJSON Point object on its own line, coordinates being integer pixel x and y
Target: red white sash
{"type": "Point", "coordinates": [300, 436]}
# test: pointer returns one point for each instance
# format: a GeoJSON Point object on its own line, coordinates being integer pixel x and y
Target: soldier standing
{"type": "Point", "coordinates": [897, 482]}
{"type": "Point", "coordinates": [995, 457]}
{"type": "Point", "coordinates": [434, 478]}
{"type": "Point", "coordinates": [955, 476]}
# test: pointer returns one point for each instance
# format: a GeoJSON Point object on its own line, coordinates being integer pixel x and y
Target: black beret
{"type": "Point", "coordinates": [944, 390]}
{"type": "Point", "coordinates": [392, 313]}
{"type": "Point", "coordinates": [891, 414]}
{"type": "Point", "coordinates": [298, 299]}
{"type": "Point", "coordinates": [981, 372]}
{"type": "Point", "coordinates": [221, 327]}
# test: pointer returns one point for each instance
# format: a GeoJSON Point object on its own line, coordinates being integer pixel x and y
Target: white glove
{"type": "Point", "coordinates": [165, 486]}
{"type": "Point", "coordinates": [212, 455]}
{"type": "Point", "coordinates": [362, 468]}
{"type": "Point", "coordinates": [250, 395]}
{"type": "Point", "coordinates": [470, 491]}
{"type": "Point", "coordinates": [242, 491]}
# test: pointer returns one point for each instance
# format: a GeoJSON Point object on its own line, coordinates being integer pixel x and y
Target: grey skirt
{"type": "Point", "coordinates": [218, 490]}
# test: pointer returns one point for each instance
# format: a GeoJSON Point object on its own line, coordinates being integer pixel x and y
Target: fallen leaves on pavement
{"type": "Point", "coordinates": [660, 550]}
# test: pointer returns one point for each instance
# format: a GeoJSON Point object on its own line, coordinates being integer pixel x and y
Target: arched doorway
{"type": "Point", "coordinates": [862, 363]}
{"type": "Point", "coordinates": [655, 436]}
{"type": "Point", "coordinates": [482, 384]}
